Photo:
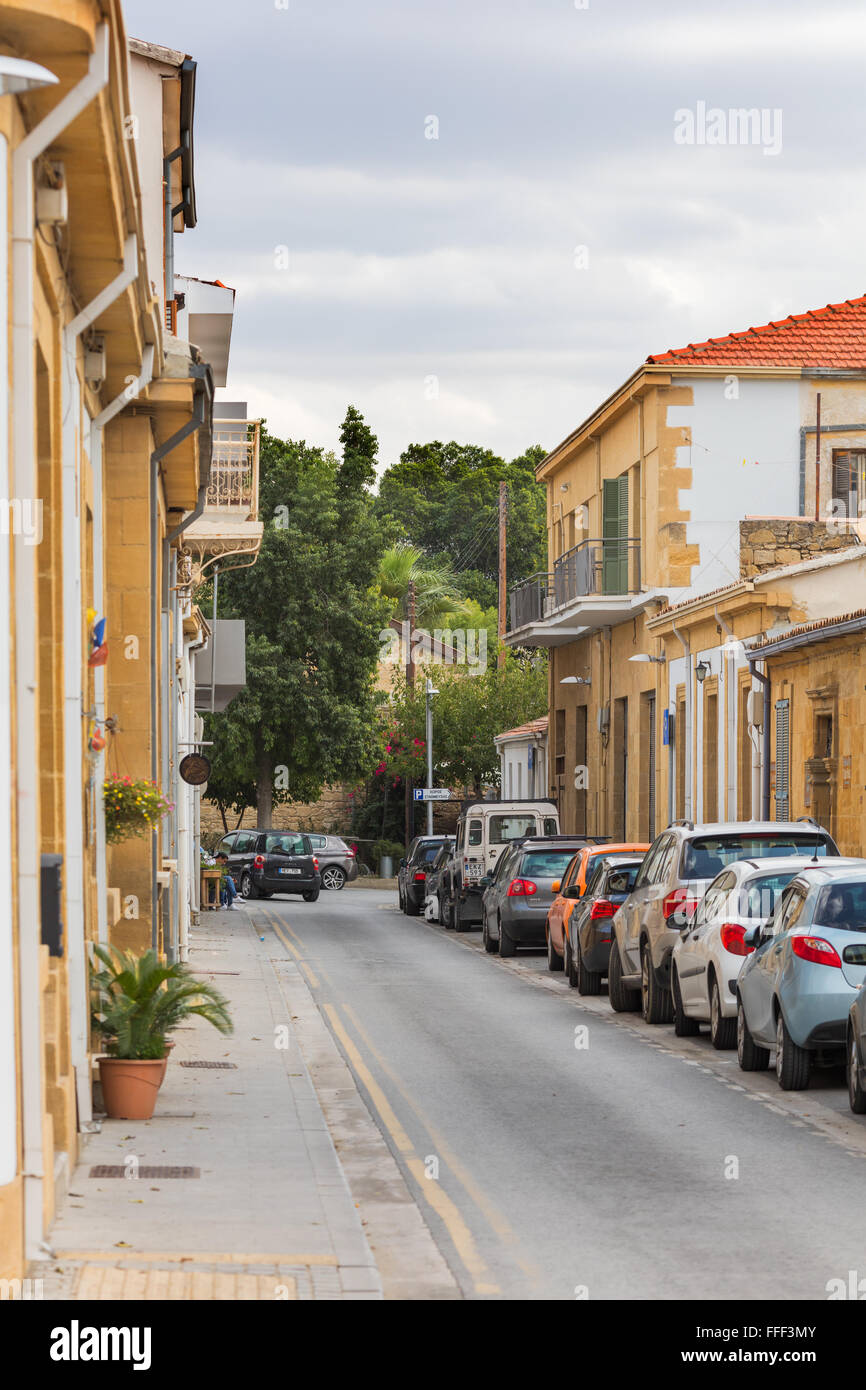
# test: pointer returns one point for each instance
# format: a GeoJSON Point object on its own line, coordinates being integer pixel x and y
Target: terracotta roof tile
{"type": "Point", "coordinates": [832, 337]}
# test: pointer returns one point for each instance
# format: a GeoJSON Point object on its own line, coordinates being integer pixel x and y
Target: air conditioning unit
{"type": "Point", "coordinates": [52, 204]}
{"type": "Point", "coordinates": [94, 363]}
{"type": "Point", "coordinates": [755, 709]}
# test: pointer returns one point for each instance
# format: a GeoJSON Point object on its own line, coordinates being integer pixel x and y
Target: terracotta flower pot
{"type": "Point", "coordinates": [129, 1087]}
{"type": "Point", "coordinates": [168, 1046]}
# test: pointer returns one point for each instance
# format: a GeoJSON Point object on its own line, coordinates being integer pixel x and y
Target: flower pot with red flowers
{"type": "Point", "coordinates": [132, 807]}
{"type": "Point", "coordinates": [135, 1002]}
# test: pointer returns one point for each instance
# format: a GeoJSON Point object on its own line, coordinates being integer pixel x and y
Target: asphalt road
{"type": "Point", "coordinates": [569, 1152]}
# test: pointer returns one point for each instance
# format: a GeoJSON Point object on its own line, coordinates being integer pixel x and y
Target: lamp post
{"type": "Point", "coordinates": [429, 731]}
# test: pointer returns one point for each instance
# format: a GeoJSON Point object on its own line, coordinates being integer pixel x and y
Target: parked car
{"type": "Point", "coordinates": [679, 867]}
{"type": "Point", "coordinates": [434, 885]}
{"type": "Point", "coordinates": [412, 871]}
{"type": "Point", "coordinates": [711, 950]}
{"type": "Point", "coordinates": [517, 895]}
{"type": "Point", "coordinates": [855, 1059]}
{"type": "Point", "coordinates": [796, 989]}
{"type": "Point", "coordinates": [337, 862]}
{"type": "Point", "coordinates": [586, 931]}
{"type": "Point", "coordinates": [264, 862]}
{"type": "Point", "coordinates": [572, 888]}
{"type": "Point", "coordinates": [485, 829]}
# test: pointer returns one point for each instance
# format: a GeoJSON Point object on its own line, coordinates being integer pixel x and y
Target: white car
{"type": "Point", "coordinates": [710, 952]}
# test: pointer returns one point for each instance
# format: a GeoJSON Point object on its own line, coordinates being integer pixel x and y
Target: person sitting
{"type": "Point", "coordinates": [228, 891]}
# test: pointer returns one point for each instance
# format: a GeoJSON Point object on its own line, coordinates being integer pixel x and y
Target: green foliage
{"type": "Point", "coordinates": [135, 1002]}
{"type": "Point", "coordinates": [131, 808]}
{"type": "Point", "coordinates": [313, 619]}
{"type": "Point", "coordinates": [445, 498]}
{"type": "Point", "coordinates": [468, 713]}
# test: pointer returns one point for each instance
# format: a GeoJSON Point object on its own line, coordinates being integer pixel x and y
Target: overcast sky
{"type": "Point", "coordinates": [495, 284]}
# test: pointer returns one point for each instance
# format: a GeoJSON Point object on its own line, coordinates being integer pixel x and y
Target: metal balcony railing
{"type": "Point", "coordinates": [594, 567]}
{"type": "Point", "coordinates": [234, 473]}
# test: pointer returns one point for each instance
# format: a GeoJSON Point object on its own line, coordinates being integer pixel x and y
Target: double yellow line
{"type": "Point", "coordinates": [430, 1188]}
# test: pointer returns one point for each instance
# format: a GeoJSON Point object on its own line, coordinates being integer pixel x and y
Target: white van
{"type": "Point", "coordinates": [484, 831]}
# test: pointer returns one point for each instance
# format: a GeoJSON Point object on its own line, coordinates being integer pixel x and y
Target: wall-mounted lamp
{"type": "Point", "coordinates": [644, 656]}
{"type": "Point", "coordinates": [19, 75]}
{"type": "Point", "coordinates": [575, 680]}
{"type": "Point", "coordinates": [702, 670]}
{"type": "Point", "coordinates": [563, 487]}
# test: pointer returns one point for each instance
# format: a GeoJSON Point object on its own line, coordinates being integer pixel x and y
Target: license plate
{"type": "Point", "coordinates": [473, 871]}
{"type": "Point", "coordinates": [290, 871]}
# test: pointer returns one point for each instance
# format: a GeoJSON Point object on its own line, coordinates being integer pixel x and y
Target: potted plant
{"type": "Point", "coordinates": [131, 807]}
{"type": "Point", "coordinates": [136, 1002]}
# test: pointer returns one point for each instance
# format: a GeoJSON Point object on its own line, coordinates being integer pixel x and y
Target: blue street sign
{"type": "Point", "coordinates": [667, 721]}
{"type": "Point", "coordinates": [418, 794]}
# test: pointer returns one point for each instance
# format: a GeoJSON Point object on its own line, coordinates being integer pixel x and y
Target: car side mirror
{"type": "Point", "coordinates": [754, 936]}
{"type": "Point", "coordinates": [485, 882]}
{"type": "Point", "coordinates": [402, 864]}
{"type": "Point", "coordinates": [573, 891]}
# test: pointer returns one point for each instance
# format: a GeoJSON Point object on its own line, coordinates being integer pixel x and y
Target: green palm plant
{"type": "Point", "coordinates": [135, 1002]}
{"type": "Point", "coordinates": [437, 601]}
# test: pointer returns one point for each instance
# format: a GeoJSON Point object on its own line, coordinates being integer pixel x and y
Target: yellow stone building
{"type": "Point", "coordinates": [105, 463]}
{"type": "Point", "coordinates": [709, 468]}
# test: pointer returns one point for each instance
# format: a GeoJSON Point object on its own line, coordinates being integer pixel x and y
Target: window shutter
{"type": "Point", "coordinates": [614, 530]}
{"type": "Point", "coordinates": [783, 760]}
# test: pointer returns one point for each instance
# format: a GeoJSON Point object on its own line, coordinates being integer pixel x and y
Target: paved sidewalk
{"type": "Point", "coordinates": [266, 1211]}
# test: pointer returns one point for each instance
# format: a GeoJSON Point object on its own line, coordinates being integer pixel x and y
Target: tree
{"type": "Point", "coordinates": [444, 498]}
{"type": "Point", "coordinates": [437, 602]}
{"type": "Point", "coordinates": [468, 713]}
{"type": "Point", "coordinates": [308, 713]}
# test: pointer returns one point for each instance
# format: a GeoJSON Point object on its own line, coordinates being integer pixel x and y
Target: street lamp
{"type": "Point", "coordinates": [20, 75]}
{"type": "Point", "coordinates": [646, 657]}
{"type": "Point", "coordinates": [575, 680]}
{"type": "Point", "coordinates": [429, 695]}
{"type": "Point", "coordinates": [702, 670]}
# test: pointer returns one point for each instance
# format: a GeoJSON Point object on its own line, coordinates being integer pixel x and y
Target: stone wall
{"type": "Point", "coordinates": [767, 543]}
{"type": "Point", "coordinates": [331, 814]}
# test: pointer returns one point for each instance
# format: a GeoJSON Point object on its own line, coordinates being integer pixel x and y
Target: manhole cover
{"type": "Point", "coordinates": [145, 1170]}
{"type": "Point", "coordinates": [212, 1066]}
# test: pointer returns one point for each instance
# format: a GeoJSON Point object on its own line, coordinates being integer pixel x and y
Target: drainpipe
{"type": "Point", "coordinates": [687, 738]}
{"type": "Point", "coordinates": [73, 706]}
{"type": "Point", "coordinates": [765, 750]}
{"type": "Point", "coordinates": [8, 1045]}
{"type": "Point", "coordinates": [27, 867]}
{"type": "Point", "coordinates": [97, 427]}
{"type": "Point", "coordinates": [730, 713]}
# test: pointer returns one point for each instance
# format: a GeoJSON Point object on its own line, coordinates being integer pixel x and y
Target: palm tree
{"type": "Point", "coordinates": [437, 601]}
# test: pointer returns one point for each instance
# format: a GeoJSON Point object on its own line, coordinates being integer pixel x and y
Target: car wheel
{"type": "Point", "coordinates": [793, 1063]}
{"type": "Point", "coordinates": [507, 947]}
{"type": "Point", "coordinates": [448, 915]}
{"type": "Point", "coordinates": [622, 998]}
{"type": "Point", "coordinates": [723, 1031]}
{"type": "Point", "coordinates": [554, 959]}
{"type": "Point", "coordinates": [588, 981]}
{"type": "Point", "coordinates": [333, 877]}
{"type": "Point", "coordinates": [490, 945]}
{"type": "Point", "coordinates": [568, 961]}
{"type": "Point", "coordinates": [684, 1026]}
{"type": "Point", "coordinates": [656, 1003]}
{"type": "Point", "coordinates": [410, 907]}
{"type": "Point", "coordinates": [750, 1056]}
{"type": "Point", "coordinates": [248, 888]}
{"type": "Point", "coordinates": [856, 1094]}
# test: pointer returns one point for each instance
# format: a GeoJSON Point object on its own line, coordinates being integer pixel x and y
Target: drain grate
{"type": "Point", "coordinates": [145, 1170]}
{"type": "Point", "coordinates": [212, 1066]}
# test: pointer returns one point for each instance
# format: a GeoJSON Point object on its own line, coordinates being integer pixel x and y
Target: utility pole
{"type": "Point", "coordinates": [503, 503]}
{"type": "Point", "coordinates": [410, 682]}
{"type": "Point", "coordinates": [429, 734]}
{"type": "Point", "coordinates": [817, 459]}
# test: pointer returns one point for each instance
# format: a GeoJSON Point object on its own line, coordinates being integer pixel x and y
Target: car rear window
{"type": "Point", "coordinates": [284, 844]}
{"type": "Point", "coordinates": [547, 863]}
{"type": "Point", "coordinates": [760, 895]}
{"type": "Point", "coordinates": [842, 905]}
{"type": "Point", "coordinates": [504, 829]}
{"type": "Point", "coordinates": [707, 855]}
{"type": "Point", "coordinates": [427, 853]}
{"type": "Point", "coordinates": [595, 859]}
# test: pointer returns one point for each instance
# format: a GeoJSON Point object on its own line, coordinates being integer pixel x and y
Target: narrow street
{"type": "Point", "coordinates": [566, 1170]}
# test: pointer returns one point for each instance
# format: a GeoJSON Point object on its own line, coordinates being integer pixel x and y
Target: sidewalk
{"type": "Point", "coordinates": [253, 1203]}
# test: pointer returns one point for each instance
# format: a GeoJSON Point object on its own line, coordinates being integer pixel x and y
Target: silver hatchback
{"type": "Point", "coordinates": [337, 863]}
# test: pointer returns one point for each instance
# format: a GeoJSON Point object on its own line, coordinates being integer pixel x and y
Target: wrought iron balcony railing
{"type": "Point", "coordinates": [234, 474]}
{"type": "Point", "coordinates": [607, 567]}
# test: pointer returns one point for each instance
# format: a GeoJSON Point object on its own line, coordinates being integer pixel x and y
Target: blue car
{"type": "Point", "coordinates": [795, 991]}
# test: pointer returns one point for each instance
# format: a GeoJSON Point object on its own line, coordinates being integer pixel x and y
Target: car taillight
{"type": "Point", "coordinates": [815, 949]}
{"type": "Point", "coordinates": [679, 903]}
{"type": "Point", "coordinates": [420, 876]}
{"type": "Point", "coordinates": [316, 863]}
{"type": "Point", "coordinates": [732, 934]}
{"type": "Point", "coordinates": [259, 861]}
{"type": "Point", "coordinates": [602, 907]}
{"type": "Point", "coordinates": [521, 888]}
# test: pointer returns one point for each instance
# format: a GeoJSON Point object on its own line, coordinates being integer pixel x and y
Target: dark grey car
{"type": "Point", "coordinates": [412, 873]}
{"type": "Point", "coordinates": [518, 894]}
{"type": "Point", "coordinates": [587, 931]}
{"type": "Point", "coordinates": [263, 862]}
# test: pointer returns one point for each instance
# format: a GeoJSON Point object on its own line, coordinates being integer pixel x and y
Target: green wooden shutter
{"type": "Point", "coordinates": [783, 760]}
{"type": "Point", "coordinates": [614, 530]}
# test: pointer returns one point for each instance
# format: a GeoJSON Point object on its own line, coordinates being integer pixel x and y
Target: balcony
{"type": "Point", "coordinates": [229, 524]}
{"type": "Point", "coordinates": [595, 584]}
